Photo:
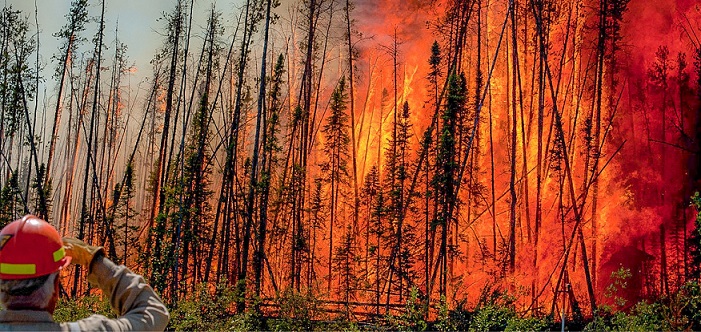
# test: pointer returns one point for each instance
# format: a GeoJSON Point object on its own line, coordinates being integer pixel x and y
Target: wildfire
{"type": "Point", "coordinates": [461, 149]}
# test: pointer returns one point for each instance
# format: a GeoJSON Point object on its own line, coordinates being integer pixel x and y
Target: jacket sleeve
{"type": "Point", "coordinates": [138, 306]}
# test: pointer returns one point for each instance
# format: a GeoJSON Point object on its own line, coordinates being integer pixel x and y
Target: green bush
{"type": "Point", "coordinates": [297, 312]}
{"type": "Point", "coordinates": [690, 297]}
{"type": "Point", "coordinates": [412, 319]}
{"type": "Point", "coordinates": [527, 324]}
{"type": "Point", "coordinates": [207, 310]}
{"type": "Point", "coordinates": [601, 320]}
{"type": "Point", "coordinates": [212, 309]}
{"type": "Point", "coordinates": [495, 314]}
{"type": "Point", "coordinates": [457, 319]}
{"type": "Point", "coordinates": [644, 317]}
{"type": "Point", "coordinates": [69, 310]}
{"type": "Point", "coordinates": [492, 318]}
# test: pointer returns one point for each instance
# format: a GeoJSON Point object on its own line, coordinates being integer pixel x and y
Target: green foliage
{"type": "Point", "coordinates": [76, 19]}
{"type": "Point", "coordinates": [18, 85]}
{"type": "Point", "coordinates": [435, 61]}
{"type": "Point", "coordinates": [42, 193]}
{"type": "Point", "coordinates": [412, 319]}
{"type": "Point", "coordinates": [681, 311]}
{"type": "Point", "coordinates": [211, 309]}
{"type": "Point", "coordinates": [492, 317]}
{"type": "Point", "coordinates": [299, 311]}
{"type": "Point", "coordinates": [690, 297]}
{"type": "Point", "coordinates": [122, 215]}
{"type": "Point", "coordinates": [527, 324]}
{"type": "Point", "coordinates": [344, 261]}
{"type": "Point", "coordinates": [446, 159]}
{"type": "Point", "coordinates": [619, 282]}
{"type": "Point", "coordinates": [335, 131]}
{"type": "Point", "coordinates": [10, 200]}
{"type": "Point", "coordinates": [644, 317]}
{"type": "Point", "coordinates": [68, 310]}
{"type": "Point", "coordinates": [602, 319]}
{"type": "Point", "coordinates": [695, 237]}
{"type": "Point", "coordinates": [207, 309]}
{"type": "Point", "coordinates": [497, 313]}
{"type": "Point", "coordinates": [453, 320]}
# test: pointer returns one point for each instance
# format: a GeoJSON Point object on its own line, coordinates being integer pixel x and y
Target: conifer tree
{"type": "Point", "coordinates": [170, 55]}
{"type": "Point", "coordinates": [123, 215]}
{"type": "Point", "coordinates": [10, 200]}
{"type": "Point", "coordinates": [336, 148]}
{"type": "Point", "coordinates": [345, 259]}
{"type": "Point", "coordinates": [368, 195]}
{"type": "Point", "coordinates": [397, 169]}
{"type": "Point", "coordinates": [444, 180]}
{"type": "Point", "coordinates": [379, 232]}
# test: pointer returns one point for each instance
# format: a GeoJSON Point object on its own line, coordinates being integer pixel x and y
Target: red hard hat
{"type": "Point", "coordinates": [30, 248]}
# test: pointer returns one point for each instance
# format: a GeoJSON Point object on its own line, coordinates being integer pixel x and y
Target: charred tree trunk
{"type": "Point", "coordinates": [85, 212]}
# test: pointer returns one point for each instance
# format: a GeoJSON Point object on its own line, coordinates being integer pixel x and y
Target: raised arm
{"type": "Point", "coordinates": [138, 306]}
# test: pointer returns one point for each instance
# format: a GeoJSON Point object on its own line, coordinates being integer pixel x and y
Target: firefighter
{"type": "Point", "coordinates": [31, 256]}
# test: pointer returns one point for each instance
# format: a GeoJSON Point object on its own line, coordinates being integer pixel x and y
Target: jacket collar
{"type": "Point", "coordinates": [25, 316]}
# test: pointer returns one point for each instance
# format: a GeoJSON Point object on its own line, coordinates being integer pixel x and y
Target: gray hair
{"type": "Point", "coordinates": [27, 293]}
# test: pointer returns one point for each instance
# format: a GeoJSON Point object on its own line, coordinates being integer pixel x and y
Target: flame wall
{"type": "Point", "coordinates": [643, 187]}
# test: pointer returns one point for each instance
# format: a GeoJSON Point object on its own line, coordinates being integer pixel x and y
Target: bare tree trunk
{"type": "Point", "coordinates": [159, 176]}
{"type": "Point", "coordinates": [354, 143]}
{"type": "Point", "coordinates": [568, 172]}
{"type": "Point", "coordinates": [253, 182]}
{"type": "Point", "coordinates": [84, 214]}
{"type": "Point", "coordinates": [514, 142]}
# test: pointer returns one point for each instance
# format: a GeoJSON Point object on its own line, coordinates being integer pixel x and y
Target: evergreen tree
{"type": "Point", "coordinates": [269, 158]}
{"type": "Point", "coordinates": [435, 73]}
{"type": "Point", "coordinates": [123, 217]}
{"type": "Point", "coordinates": [10, 200]}
{"type": "Point", "coordinates": [336, 148]}
{"type": "Point", "coordinates": [306, 243]}
{"type": "Point", "coordinates": [444, 180]}
{"type": "Point", "coordinates": [368, 196]}
{"type": "Point", "coordinates": [379, 231]}
{"type": "Point", "coordinates": [397, 169]}
{"type": "Point", "coordinates": [18, 88]}
{"type": "Point", "coordinates": [156, 262]}
{"type": "Point", "coordinates": [345, 259]}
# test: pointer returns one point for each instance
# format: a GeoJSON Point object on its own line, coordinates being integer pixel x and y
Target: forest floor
{"type": "Point", "coordinates": [679, 311]}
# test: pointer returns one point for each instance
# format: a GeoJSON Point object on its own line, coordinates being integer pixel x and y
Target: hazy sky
{"type": "Point", "coordinates": [137, 21]}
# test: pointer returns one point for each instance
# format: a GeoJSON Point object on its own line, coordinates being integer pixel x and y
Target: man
{"type": "Point", "coordinates": [31, 256]}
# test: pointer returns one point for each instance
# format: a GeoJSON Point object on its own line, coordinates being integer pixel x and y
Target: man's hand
{"type": "Point", "coordinates": [82, 253]}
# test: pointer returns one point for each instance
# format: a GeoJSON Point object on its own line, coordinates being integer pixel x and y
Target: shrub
{"type": "Point", "coordinates": [206, 310]}
{"type": "Point", "coordinates": [644, 317]}
{"type": "Point", "coordinates": [412, 319]}
{"type": "Point", "coordinates": [453, 320]}
{"type": "Point", "coordinates": [690, 295]}
{"type": "Point", "coordinates": [527, 324]}
{"type": "Point", "coordinates": [296, 312]}
{"type": "Point", "coordinates": [69, 310]}
{"type": "Point", "coordinates": [492, 317]}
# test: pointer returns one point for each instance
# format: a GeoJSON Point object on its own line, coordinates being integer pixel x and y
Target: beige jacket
{"type": "Point", "coordinates": [139, 308]}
